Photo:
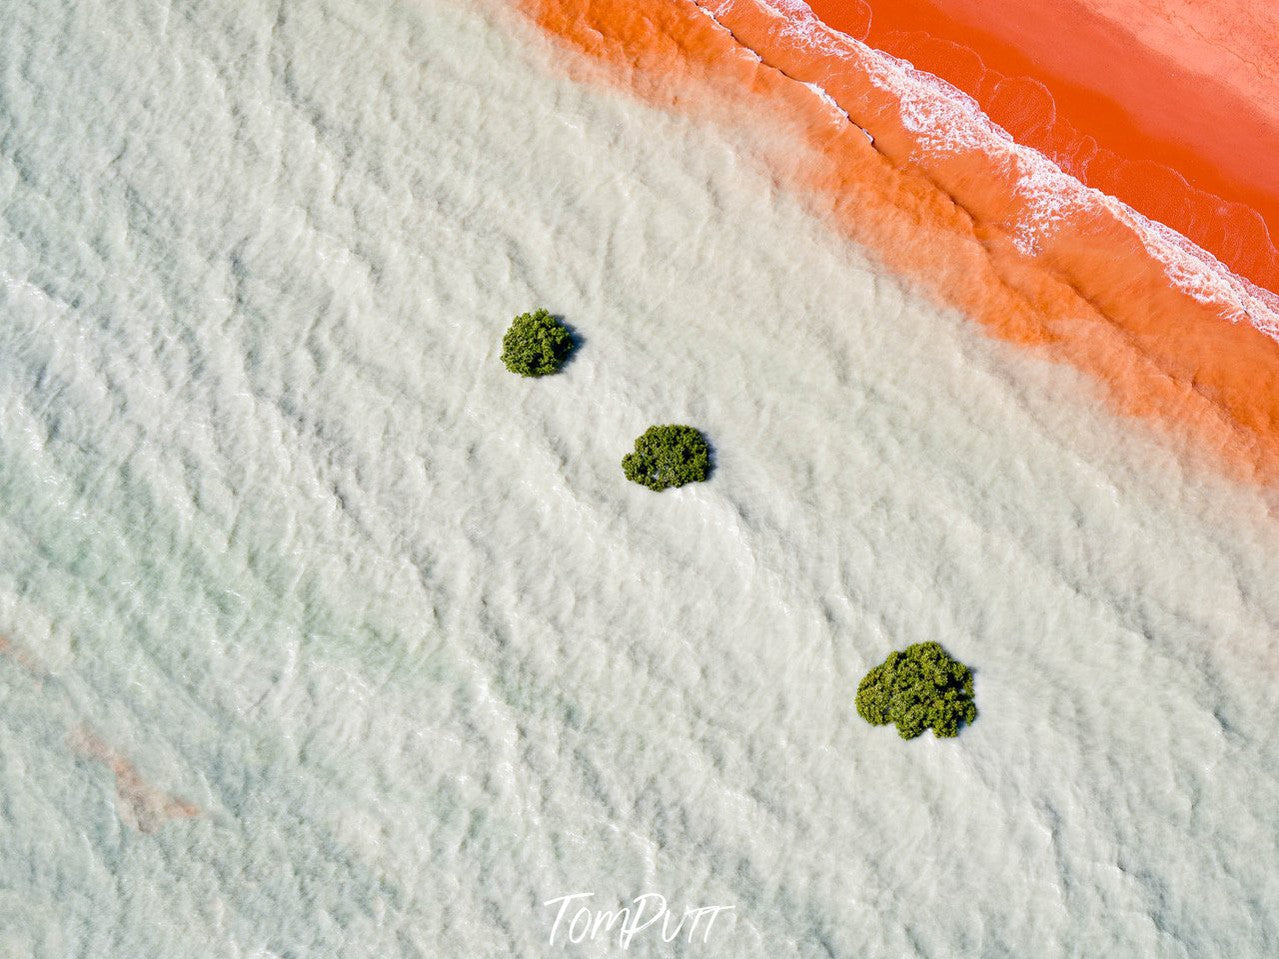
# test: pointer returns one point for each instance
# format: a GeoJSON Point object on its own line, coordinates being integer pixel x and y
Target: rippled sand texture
{"type": "Point", "coordinates": [326, 637]}
{"type": "Point", "coordinates": [1170, 105]}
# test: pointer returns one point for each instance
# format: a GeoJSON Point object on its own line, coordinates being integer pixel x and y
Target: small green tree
{"type": "Point", "coordinates": [536, 344]}
{"type": "Point", "coordinates": [918, 688]}
{"type": "Point", "coordinates": [668, 456]}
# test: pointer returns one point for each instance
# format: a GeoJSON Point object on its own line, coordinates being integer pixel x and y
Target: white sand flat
{"type": "Point", "coordinates": [327, 637]}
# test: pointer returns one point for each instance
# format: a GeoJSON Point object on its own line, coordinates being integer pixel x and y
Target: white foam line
{"type": "Point", "coordinates": [946, 120]}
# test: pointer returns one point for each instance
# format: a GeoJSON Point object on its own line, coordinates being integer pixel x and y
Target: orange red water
{"type": "Point", "coordinates": [1149, 124]}
{"type": "Point", "coordinates": [1086, 291]}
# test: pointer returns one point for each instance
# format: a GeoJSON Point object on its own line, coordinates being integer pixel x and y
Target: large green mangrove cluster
{"type": "Point", "coordinates": [537, 344]}
{"type": "Point", "coordinates": [918, 688]}
{"type": "Point", "coordinates": [667, 456]}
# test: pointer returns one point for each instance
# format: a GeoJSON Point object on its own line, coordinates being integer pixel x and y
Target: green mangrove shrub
{"type": "Point", "coordinates": [536, 344]}
{"type": "Point", "coordinates": [918, 688]}
{"type": "Point", "coordinates": [668, 456]}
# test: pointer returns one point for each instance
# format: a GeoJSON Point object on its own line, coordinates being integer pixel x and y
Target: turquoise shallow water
{"type": "Point", "coordinates": [326, 637]}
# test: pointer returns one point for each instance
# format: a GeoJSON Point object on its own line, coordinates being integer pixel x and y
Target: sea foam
{"type": "Point", "coordinates": [948, 121]}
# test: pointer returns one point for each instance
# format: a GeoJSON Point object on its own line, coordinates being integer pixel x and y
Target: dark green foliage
{"type": "Point", "coordinates": [918, 688]}
{"type": "Point", "coordinates": [668, 456]}
{"type": "Point", "coordinates": [536, 344]}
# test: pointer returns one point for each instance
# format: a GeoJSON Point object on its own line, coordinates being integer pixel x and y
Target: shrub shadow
{"type": "Point", "coordinates": [712, 457]}
{"type": "Point", "coordinates": [575, 335]}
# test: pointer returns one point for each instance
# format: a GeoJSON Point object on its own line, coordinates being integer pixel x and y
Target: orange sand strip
{"type": "Point", "coordinates": [1092, 295]}
{"type": "Point", "coordinates": [140, 804]}
{"type": "Point", "coordinates": [11, 650]}
{"type": "Point", "coordinates": [1148, 122]}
